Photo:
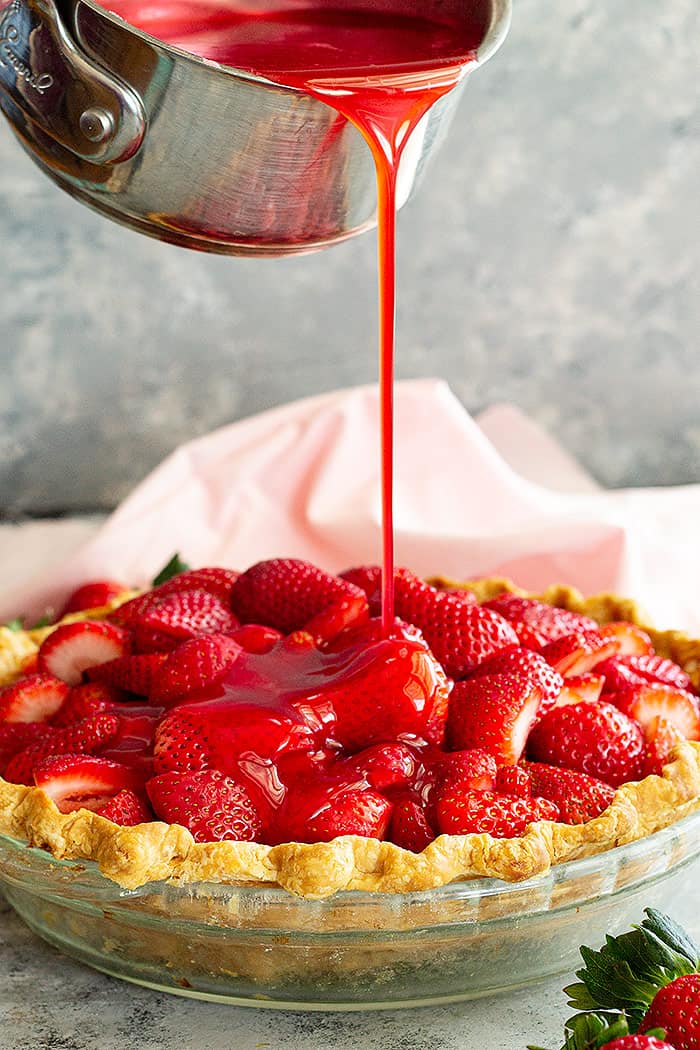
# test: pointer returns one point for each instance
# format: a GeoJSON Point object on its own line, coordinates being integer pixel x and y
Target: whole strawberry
{"type": "Point", "coordinates": [592, 738]}
{"type": "Point", "coordinates": [637, 1042]}
{"type": "Point", "coordinates": [676, 1008]}
{"type": "Point", "coordinates": [290, 594]}
{"type": "Point", "coordinates": [460, 634]}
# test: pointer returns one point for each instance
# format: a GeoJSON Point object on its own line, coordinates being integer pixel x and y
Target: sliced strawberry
{"type": "Point", "coordinates": [630, 640]}
{"type": "Point", "coordinates": [194, 665]}
{"type": "Point", "coordinates": [34, 698]}
{"type": "Point", "coordinates": [92, 596]}
{"type": "Point", "coordinates": [409, 827]}
{"type": "Point", "coordinates": [213, 807]}
{"type": "Point", "coordinates": [576, 688]}
{"type": "Point", "coordinates": [495, 713]}
{"type": "Point", "coordinates": [83, 781]}
{"type": "Point", "coordinates": [647, 702]}
{"type": "Point", "coordinates": [662, 736]}
{"type": "Point", "coordinates": [578, 653]}
{"type": "Point", "coordinates": [622, 671]}
{"type": "Point", "coordinates": [127, 809]}
{"type": "Point", "coordinates": [485, 812]}
{"type": "Point", "coordinates": [134, 673]}
{"type": "Point", "coordinates": [288, 593]}
{"type": "Point", "coordinates": [320, 816]}
{"type": "Point", "coordinates": [537, 623]}
{"type": "Point", "coordinates": [530, 665]}
{"type": "Point", "coordinates": [460, 634]}
{"type": "Point", "coordinates": [82, 738]}
{"type": "Point", "coordinates": [92, 698]}
{"type": "Point", "coordinates": [514, 780]}
{"type": "Point", "coordinates": [16, 736]}
{"type": "Point", "coordinates": [580, 797]}
{"type": "Point", "coordinates": [74, 647]}
{"type": "Point", "coordinates": [180, 616]}
{"type": "Point", "coordinates": [597, 739]}
{"type": "Point", "coordinates": [382, 766]}
{"type": "Point", "coordinates": [216, 581]}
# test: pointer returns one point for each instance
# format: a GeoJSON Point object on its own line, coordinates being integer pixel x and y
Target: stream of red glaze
{"type": "Point", "coordinates": [382, 66]}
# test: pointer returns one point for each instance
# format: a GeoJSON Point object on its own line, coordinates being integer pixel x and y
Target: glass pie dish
{"type": "Point", "coordinates": [265, 947]}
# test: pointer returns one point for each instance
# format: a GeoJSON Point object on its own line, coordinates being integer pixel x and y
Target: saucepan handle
{"type": "Point", "coordinates": [53, 84]}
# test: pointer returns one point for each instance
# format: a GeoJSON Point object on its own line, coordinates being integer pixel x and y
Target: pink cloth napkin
{"type": "Point", "coordinates": [496, 496]}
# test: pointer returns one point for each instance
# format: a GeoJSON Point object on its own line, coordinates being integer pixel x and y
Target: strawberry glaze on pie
{"type": "Point", "coordinates": [171, 739]}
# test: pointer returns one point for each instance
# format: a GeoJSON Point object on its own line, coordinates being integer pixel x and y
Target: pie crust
{"type": "Point", "coordinates": [134, 856]}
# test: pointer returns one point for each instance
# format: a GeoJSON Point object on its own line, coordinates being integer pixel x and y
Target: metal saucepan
{"type": "Point", "coordinates": [187, 150]}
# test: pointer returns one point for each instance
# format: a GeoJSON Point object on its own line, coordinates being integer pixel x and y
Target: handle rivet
{"type": "Point", "coordinates": [97, 124]}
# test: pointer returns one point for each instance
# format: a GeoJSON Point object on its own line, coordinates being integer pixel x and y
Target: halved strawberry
{"type": "Point", "coordinates": [92, 595]}
{"type": "Point", "coordinates": [392, 688]}
{"type": "Point", "coordinates": [597, 739]}
{"type": "Point", "coordinates": [578, 653]}
{"type": "Point", "coordinates": [630, 639]}
{"type": "Point", "coordinates": [514, 780]}
{"type": "Point", "coordinates": [34, 698]}
{"type": "Point", "coordinates": [216, 581]}
{"type": "Point", "coordinates": [537, 623]}
{"type": "Point", "coordinates": [495, 713]}
{"type": "Point", "coordinates": [16, 736]}
{"type": "Point", "coordinates": [485, 812]}
{"type": "Point", "coordinates": [288, 593]}
{"type": "Point", "coordinates": [471, 770]}
{"type": "Point", "coordinates": [622, 671]}
{"type": "Point", "coordinates": [409, 827]}
{"type": "Point", "coordinates": [255, 638]}
{"type": "Point", "coordinates": [650, 701]}
{"type": "Point", "coordinates": [213, 807]}
{"type": "Point", "coordinates": [529, 664]}
{"type": "Point", "coordinates": [580, 797]}
{"type": "Point", "coordinates": [74, 647]}
{"type": "Point", "coordinates": [320, 815]}
{"type": "Point", "coordinates": [662, 736]}
{"type": "Point", "coordinates": [369, 579]}
{"type": "Point", "coordinates": [178, 617]}
{"type": "Point", "coordinates": [126, 808]}
{"type": "Point", "coordinates": [344, 614]}
{"type": "Point", "coordinates": [92, 698]}
{"type": "Point", "coordinates": [83, 781]}
{"type": "Point", "coordinates": [381, 766]}
{"type": "Point", "coordinates": [194, 665]}
{"type": "Point", "coordinates": [133, 673]}
{"type": "Point", "coordinates": [576, 688]}
{"type": "Point", "coordinates": [82, 738]}
{"type": "Point", "coordinates": [460, 634]}
{"type": "Point", "coordinates": [218, 733]}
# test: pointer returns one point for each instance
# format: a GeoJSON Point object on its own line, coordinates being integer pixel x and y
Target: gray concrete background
{"type": "Point", "coordinates": [551, 259]}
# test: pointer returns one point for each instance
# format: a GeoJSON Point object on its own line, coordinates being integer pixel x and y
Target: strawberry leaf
{"type": "Point", "coordinates": [630, 969]}
{"type": "Point", "coordinates": [173, 568]}
{"type": "Point", "coordinates": [673, 935]}
{"type": "Point", "coordinates": [15, 625]}
{"type": "Point", "coordinates": [590, 1031]}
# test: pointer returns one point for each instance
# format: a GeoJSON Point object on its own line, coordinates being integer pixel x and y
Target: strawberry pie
{"type": "Point", "coordinates": [265, 727]}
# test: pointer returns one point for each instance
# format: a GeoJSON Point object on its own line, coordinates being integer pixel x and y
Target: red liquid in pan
{"type": "Point", "coordinates": [382, 66]}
